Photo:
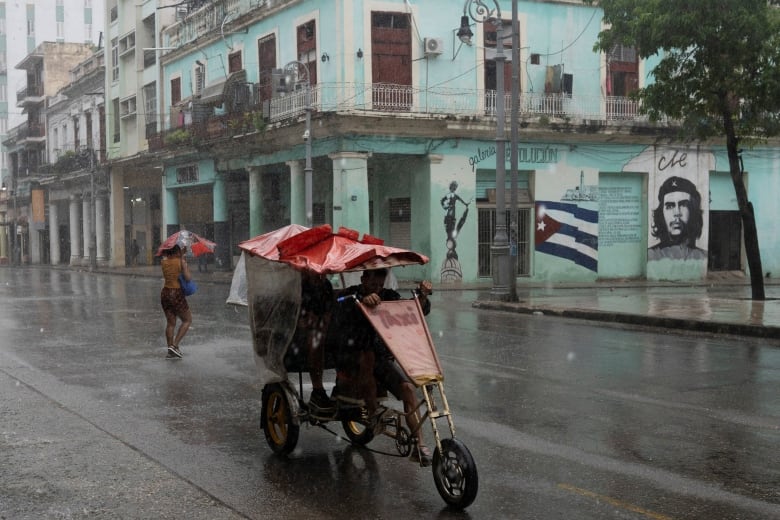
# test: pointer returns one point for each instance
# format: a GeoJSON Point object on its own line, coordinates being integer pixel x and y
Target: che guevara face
{"type": "Point", "coordinates": [677, 212]}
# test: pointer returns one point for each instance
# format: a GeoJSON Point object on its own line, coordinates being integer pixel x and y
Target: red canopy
{"type": "Point", "coordinates": [321, 251]}
{"type": "Point", "coordinates": [324, 252]}
{"type": "Point", "coordinates": [265, 245]}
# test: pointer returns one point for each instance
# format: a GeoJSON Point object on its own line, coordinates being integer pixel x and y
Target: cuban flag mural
{"type": "Point", "coordinates": [568, 231]}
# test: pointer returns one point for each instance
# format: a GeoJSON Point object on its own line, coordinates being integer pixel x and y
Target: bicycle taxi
{"type": "Point", "coordinates": [270, 274]}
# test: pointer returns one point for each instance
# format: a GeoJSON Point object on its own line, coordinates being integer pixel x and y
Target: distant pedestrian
{"type": "Point", "coordinates": [203, 263]}
{"type": "Point", "coordinates": [172, 298]}
{"type": "Point", "coordinates": [134, 252]}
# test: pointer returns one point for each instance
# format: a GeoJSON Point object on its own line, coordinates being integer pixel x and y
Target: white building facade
{"type": "Point", "coordinates": [26, 24]}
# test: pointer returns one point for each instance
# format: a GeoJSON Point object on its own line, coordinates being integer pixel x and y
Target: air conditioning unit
{"type": "Point", "coordinates": [433, 46]}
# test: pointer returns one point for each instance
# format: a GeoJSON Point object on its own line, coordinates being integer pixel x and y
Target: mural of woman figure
{"type": "Point", "coordinates": [449, 204]}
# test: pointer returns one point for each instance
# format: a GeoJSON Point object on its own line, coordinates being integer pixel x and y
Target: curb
{"type": "Point", "coordinates": [737, 329]}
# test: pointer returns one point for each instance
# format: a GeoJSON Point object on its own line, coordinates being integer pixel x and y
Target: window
{"type": "Point", "coordinates": [623, 71]}
{"type": "Point", "coordinates": [127, 107]}
{"type": "Point", "coordinates": [76, 133]}
{"type": "Point", "coordinates": [127, 44]}
{"type": "Point", "coordinates": [60, 30]}
{"type": "Point", "coordinates": [307, 49]}
{"type": "Point", "coordinates": [234, 62]}
{"type": "Point", "coordinates": [622, 80]}
{"type": "Point", "coordinates": [187, 174]}
{"type": "Point", "coordinates": [266, 51]}
{"type": "Point", "coordinates": [115, 103]}
{"type": "Point", "coordinates": [3, 92]}
{"type": "Point", "coordinates": [150, 108]}
{"type": "Point", "coordinates": [114, 60]}
{"type": "Point", "coordinates": [175, 90]}
{"type": "Point", "coordinates": [30, 20]}
{"type": "Point", "coordinates": [88, 130]}
{"type": "Point", "coordinates": [200, 78]}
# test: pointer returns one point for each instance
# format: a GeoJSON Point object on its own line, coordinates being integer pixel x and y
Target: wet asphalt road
{"type": "Point", "coordinates": [565, 419]}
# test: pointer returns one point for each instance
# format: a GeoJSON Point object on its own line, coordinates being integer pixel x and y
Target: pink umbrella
{"type": "Point", "coordinates": [183, 238]}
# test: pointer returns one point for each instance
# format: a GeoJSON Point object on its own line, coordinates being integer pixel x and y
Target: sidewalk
{"type": "Point", "coordinates": [720, 304]}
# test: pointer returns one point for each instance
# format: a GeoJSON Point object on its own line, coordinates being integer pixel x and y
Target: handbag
{"type": "Point", "coordinates": [188, 286]}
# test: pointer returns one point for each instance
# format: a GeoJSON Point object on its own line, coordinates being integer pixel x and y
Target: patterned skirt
{"type": "Point", "coordinates": [173, 301]}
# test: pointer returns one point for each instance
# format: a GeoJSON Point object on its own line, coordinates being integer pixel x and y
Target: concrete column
{"type": "Point", "coordinates": [100, 228]}
{"type": "Point", "coordinates": [222, 256]}
{"type": "Point", "coordinates": [350, 190]}
{"type": "Point", "coordinates": [74, 223]}
{"type": "Point", "coordinates": [297, 193]}
{"type": "Point", "coordinates": [54, 234]}
{"type": "Point", "coordinates": [170, 211]}
{"type": "Point", "coordinates": [255, 202]}
{"type": "Point", "coordinates": [86, 220]}
{"type": "Point", "coordinates": [4, 257]}
{"type": "Point", "coordinates": [116, 215]}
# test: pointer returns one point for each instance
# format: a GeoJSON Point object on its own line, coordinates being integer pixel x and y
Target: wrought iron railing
{"type": "Point", "coordinates": [379, 97]}
{"type": "Point", "coordinates": [29, 91]}
{"type": "Point", "coordinates": [387, 99]}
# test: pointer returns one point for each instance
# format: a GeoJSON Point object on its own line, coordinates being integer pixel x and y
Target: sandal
{"type": "Point", "coordinates": [421, 454]}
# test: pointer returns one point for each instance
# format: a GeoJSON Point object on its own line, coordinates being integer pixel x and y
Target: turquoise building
{"type": "Point", "coordinates": [400, 140]}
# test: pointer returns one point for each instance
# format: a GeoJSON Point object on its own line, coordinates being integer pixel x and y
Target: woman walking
{"type": "Point", "coordinates": [172, 298]}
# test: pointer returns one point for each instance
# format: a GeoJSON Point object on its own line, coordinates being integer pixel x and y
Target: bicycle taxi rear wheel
{"type": "Point", "coordinates": [281, 433]}
{"type": "Point", "coordinates": [455, 474]}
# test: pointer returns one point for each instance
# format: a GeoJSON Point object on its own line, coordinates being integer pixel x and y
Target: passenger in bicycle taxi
{"type": "Point", "coordinates": [365, 363]}
{"type": "Point", "coordinates": [316, 306]}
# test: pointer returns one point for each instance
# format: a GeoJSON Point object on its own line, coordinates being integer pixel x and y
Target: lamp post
{"type": "Point", "coordinates": [480, 11]}
{"type": "Point", "coordinates": [513, 159]}
{"type": "Point", "coordinates": [296, 73]}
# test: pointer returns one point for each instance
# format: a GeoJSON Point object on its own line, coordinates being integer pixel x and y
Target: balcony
{"type": "Point", "coordinates": [207, 19]}
{"type": "Point", "coordinates": [31, 133]}
{"type": "Point", "coordinates": [405, 101]}
{"type": "Point", "coordinates": [69, 162]}
{"type": "Point", "coordinates": [29, 95]}
{"type": "Point", "coordinates": [444, 102]}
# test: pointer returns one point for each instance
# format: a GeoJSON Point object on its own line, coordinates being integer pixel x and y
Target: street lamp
{"type": "Point", "coordinates": [481, 12]}
{"type": "Point", "coordinates": [297, 73]}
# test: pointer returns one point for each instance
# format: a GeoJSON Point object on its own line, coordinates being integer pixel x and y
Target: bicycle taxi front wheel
{"type": "Point", "coordinates": [358, 431]}
{"type": "Point", "coordinates": [455, 473]}
{"type": "Point", "coordinates": [281, 432]}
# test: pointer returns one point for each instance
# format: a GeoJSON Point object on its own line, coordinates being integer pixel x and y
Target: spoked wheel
{"type": "Point", "coordinates": [455, 474]}
{"type": "Point", "coordinates": [280, 431]}
{"type": "Point", "coordinates": [358, 432]}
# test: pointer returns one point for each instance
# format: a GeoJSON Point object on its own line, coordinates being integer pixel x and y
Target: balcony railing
{"type": "Point", "coordinates": [395, 100]}
{"type": "Point", "coordinates": [348, 97]}
{"type": "Point", "coordinates": [31, 131]}
{"type": "Point", "coordinates": [29, 91]}
{"type": "Point", "coordinates": [203, 21]}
